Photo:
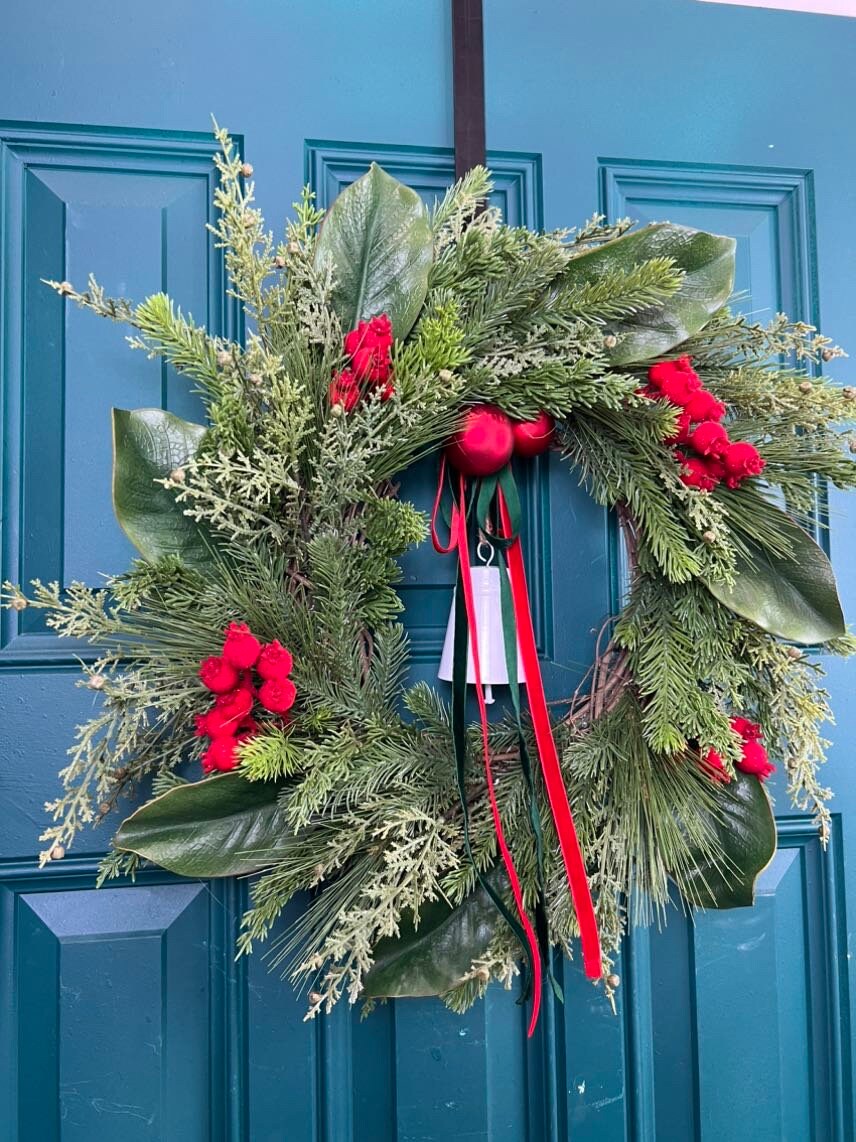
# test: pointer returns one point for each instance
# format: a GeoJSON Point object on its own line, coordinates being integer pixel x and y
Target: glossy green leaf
{"type": "Point", "coordinates": [148, 444]}
{"type": "Point", "coordinates": [708, 264]}
{"type": "Point", "coordinates": [794, 598]}
{"type": "Point", "coordinates": [378, 238]}
{"type": "Point", "coordinates": [433, 958]}
{"type": "Point", "coordinates": [222, 826]}
{"type": "Point", "coordinates": [745, 831]}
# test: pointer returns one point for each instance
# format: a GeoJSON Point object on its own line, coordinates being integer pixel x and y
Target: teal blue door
{"type": "Point", "coordinates": [122, 1013]}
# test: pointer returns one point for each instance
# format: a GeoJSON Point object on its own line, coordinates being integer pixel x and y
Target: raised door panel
{"type": "Point", "coordinates": [769, 210]}
{"type": "Point", "coordinates": [783, 958]}
{"type": "Point", "coordinates": [130, 208]}
{"type": "Point", "coordinates": [114, 1005]}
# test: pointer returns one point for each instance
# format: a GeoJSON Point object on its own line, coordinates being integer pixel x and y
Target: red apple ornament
{"type": "Point", "coordinates": [484, 443]}
{"type": "Point", "coordinates": [532, 437]}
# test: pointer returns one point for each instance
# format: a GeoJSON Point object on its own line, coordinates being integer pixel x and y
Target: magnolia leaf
{"type": "Point", "coordinates": [148, 444]}
{"type": "Point", "coordinates": [222, 826]}
{"type": "Point", "coordinates": [708, 264]}
{"type": "Point", "coordinates": [436, 956]}
{"type": "Point", "coordinates": [378, 238]}
{"type": "Point", "coordinates": [745, 832]}
{"type": "Point", "coordinates": [791, 597]}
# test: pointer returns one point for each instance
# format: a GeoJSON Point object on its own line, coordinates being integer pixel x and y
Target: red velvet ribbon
{"type": "Point", "coordinates": [458, 539]}
{"type": "Point", "coordinates": [557, 794]}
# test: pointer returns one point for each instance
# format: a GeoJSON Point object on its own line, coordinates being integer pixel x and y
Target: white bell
{"type": "Point", "coordinates": [488, 615]}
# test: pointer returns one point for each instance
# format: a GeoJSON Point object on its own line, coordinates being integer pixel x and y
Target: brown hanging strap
{"type": "Point", "coordinates": [468, 77]}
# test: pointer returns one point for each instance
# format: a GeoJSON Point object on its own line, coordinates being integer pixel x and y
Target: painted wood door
{"type": "Point", "coordinates": [122, 1014]}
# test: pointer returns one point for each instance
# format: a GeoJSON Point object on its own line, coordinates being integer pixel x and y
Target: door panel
{"type": "Point", "coordinates": [130, 207]}
{"type": "Point", "coordinates": [111, 1003]}
{"type": "Point", "coordinates": [123, 1008]}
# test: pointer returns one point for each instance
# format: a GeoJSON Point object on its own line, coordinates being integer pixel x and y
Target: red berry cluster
{"type": "Point", "coordinates": [753, 756]}
{"type": "Point", "coordinates": [229, 675]}
{"type": "Point", "coordinates": [369, 347]}
{"type": "Point", "coordinates": [701, 443]}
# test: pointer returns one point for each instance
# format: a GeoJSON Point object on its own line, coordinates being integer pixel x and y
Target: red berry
{"type": "Point", "coordinates": [226, 715]}
{"type": "Point", "coordinates": [709, 439]}
{"type": "Point", "coordinates": [236, 705]}
{"type": "Point", "coordinates": [278, 695]}
{"type": "Point", "coordinates": [749, 731]}
{"type": "Point", "coordinates": [714, 765]}
{"type": "Point", "coordinates": [218, 675]}
{"type": "Point", "coordinates": [666, 370]}
{"type": "Point", "coordinates": [344, 390]}
{"type": "Point", "coordinates": [741, 460]}
{"type": "Point", "coordinates": [676, 380]}
{"type": "Point", "coordinates": [381, 328]}
{"type": "Point", "coordinates": [221, 755]}
{"type": "Point", "coordinates": [355, 337]}
{"type": "Point", "coordinates": [754, 759]}
{"type": "Point", "coordinates": [275, 662]}
{"type": "Point", "coordinates": [696, 472]}
{"type": "Point", "coordinates": [682, 430]}
{"type": "Point", "coordinates": [680, 388]}
{"type": "Point", "coordinates": [241, 647]}
{"type": "Point", "coordinates": [371, 364]}
{"type": "Point", "coordinates": [369, 347]}
{"type": "Point", "coordinates": [705, 406]}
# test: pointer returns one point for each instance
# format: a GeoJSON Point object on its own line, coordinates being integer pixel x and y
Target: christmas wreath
{"type": "Point", "coordinates": [251, 666]}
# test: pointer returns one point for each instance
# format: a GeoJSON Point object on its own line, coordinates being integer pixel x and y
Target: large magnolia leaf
{"type": "Point", "coordinates": [745, 830]}
{"type": "Point", "coordinates": [708, 264]}
{"type": "Point", "coordinates": [222, 826]}
{"type": "Point", "coordinates": [378, 237]}
{"type": "Point", "coordinates": [148, 444]}
{"type": "Point", "coordinates": [794, 598]}
{"type": "Point", "coordinates": [433, 958]}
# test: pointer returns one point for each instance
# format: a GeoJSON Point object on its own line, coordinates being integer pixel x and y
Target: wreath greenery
{"type": "Point", "coordinates": [278, 522]}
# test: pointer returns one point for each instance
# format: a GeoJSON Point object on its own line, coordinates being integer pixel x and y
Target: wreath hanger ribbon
{"type": "Point", "coordinates": [520, 627]}
{"type": "Point", "coordinates": [465, 625]}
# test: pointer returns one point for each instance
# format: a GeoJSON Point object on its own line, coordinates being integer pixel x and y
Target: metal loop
{"type": "Point", "coordinates": [482, 545]}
